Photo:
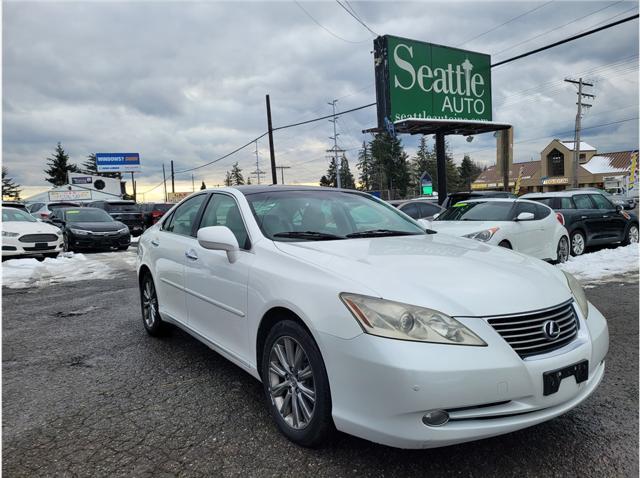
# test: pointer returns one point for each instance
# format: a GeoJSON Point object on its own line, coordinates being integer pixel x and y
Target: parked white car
{"type": "Point", "coordinates": [24, 235]}
{"type": "Point", "coordinates": [354, 317]}
{"type": "Point", "coordinates": [524, 226]}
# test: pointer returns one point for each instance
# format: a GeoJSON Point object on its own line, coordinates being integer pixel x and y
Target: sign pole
{"type": "Point", "coordinates": [133, 186]}
{"type": "Point", "coordinates": [164, 182]}
{"type": "Point", "coordinates": [441, 166]}
{"type": "Point", "coordinates": [274, 176]}
{"type": "Point", "coordinates": [173, 183]}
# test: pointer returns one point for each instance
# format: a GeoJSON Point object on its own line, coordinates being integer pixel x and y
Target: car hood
{"type": "Point", "coordinates": [96, 226]}
{"type": "Point", "coordinates": [460, 277]}
{"type": "Point", "coordinates": [23, 227]}
{"type": "Point", "coordinates": [460, 228]}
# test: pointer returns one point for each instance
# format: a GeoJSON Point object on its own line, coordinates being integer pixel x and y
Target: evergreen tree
{"type": "Point", "coordinates": [90, 167]}
{"type": "Point", "coordinates": [468, 171]}
{"type": "Point", "coordinates": [248, 181]}
{"type": "Point", "coordinates": [453, 176]}
{"type": "Point", "coordinates": [367, 168]}
{"type": "Point", "coordinates": [236, 175]}
{"type": "Point", "coordinates": [424, 161]}
{"type": "Point", "coordinates": [391, 166]}
{"type": "Point", "coordinates": [59, 166]}
{"type": "Point", "coordinates": [330, 179]}
{"type": "Point", "coordinates": [346, 177]}
{"type": "Point", "coordinates": [228, 180]}
{"type": "Point", "coordinates": [10, 189]}
{"type": "Point", "coordinates": [203, 186]}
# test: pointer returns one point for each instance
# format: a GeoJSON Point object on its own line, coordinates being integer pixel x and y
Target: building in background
{"type": "Point", "coordinates": [554, 172]}
{"type": "Point", "coordinates": [83, 188]}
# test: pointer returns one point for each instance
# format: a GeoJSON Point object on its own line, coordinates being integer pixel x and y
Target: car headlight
{"type": "Point", "coordinates": [483, 236]}
{"type": "Point", "coordinates": [10, 234]}
{"type": "Point", "coordinates": [395, 320]}
{"type": "Point", "coordinates": [80, 232]}
{"type": "Point", "coordinates": [123, 230]}
{"type": "Point", "coordinates": [578, 294]}
{"type": "Point", "coordinates": [59, 232]}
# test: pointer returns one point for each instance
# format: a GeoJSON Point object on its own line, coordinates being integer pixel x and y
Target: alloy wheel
{"type": "Point", "coordinates": [149, 303]}
{"type": "Point", "coordinates": [291, 382]}
{"type": "Point", "coordinates": [577, 244]}
{"type": "Point", "coordinates": [633, 234]}
{"type": "Point", "coordinates": [563, 250]}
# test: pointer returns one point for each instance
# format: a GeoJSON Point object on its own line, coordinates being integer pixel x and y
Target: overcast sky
{"type": "Point", "coordinates": [187, 81]}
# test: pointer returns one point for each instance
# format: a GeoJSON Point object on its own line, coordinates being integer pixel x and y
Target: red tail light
{"type": "Point", "coordinates": [155, 215]}
{"type": "Point", "coordinates": [560, 218]}
{"type": "Point", "coordinates": [44, 215]}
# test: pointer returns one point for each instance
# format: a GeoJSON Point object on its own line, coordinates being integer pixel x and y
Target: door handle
{"type": "Point", "coordinates": [191, 254]}
{"type": "Point", "coordinates": [583, 217]}
{"type": "Point", "coordinates": [154, 242]}
{"type": "Point", "coordinates": [605, 216]}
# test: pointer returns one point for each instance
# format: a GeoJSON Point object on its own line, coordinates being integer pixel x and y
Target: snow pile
{"type": "Point", "coordinates": [604, 264]}
{"type": "Point", "coordinates": [68, 267]}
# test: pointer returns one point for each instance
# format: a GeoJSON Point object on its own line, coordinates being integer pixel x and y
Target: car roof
{"type": "Point", "coordinates": [260, 188]}
{"type": "Point", "coordinates": [559, 194]}
{"type": "Point", "coordinates": [512, 200]}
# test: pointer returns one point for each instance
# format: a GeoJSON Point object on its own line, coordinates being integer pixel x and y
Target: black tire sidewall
{"type": "Point", "coordinates": [558, 259]}
{"type": "Point", "coordinates": [321, 425]}
{"type": "Point", "coordinates": [627, 238]}
{"type": "Point", "coordinates": [157, 327]}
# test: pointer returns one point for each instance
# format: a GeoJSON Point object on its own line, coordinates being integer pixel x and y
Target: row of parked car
{"type": "Point", "coordinates": [549, 225]}
{"type": "Point", "coordinates": [45, 229]}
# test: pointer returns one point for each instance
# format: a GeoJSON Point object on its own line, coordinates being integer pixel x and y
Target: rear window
{"type": "Point", "coordinates": [478, 211]}
{"type": "Point", "coordinates": [121, 207]}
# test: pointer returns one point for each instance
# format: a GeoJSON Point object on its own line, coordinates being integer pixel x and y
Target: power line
{"type": "Point", "coordinates": [324, 117]}
{"type": "Point", "coordinates": [325, 28]}
{"type": "Point", "coordinates": [505, 23]}
{"type": "Point", "coordinates": [566, 40]}
{"type": "Point", "coordinates": [357, 18]}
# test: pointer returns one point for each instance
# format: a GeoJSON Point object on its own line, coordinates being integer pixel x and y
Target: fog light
{"type": "Point", "coordinates": [435, 418]}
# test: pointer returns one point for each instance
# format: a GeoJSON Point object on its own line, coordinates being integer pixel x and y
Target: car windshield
{"type": "Point", "coordinates": [87, 215]}
{"type": "Point", "coordinates": [309, 215]}
{"type": "Point", "coordinates": [16, 215]}
{"type": "Point", "coordinates": [478, 211]}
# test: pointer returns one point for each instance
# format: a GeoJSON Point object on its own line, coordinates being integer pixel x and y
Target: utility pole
{"type": "Point", "coordinates": [193, 184]}
{"type": "Point", "coordinates": [335, 150]}
{"type": "Point", "coordinates": [173, 183]}
{"type": "Point", "coordinates": [576, 143]}
{"type": "Point", "coordinates": [282, 168]}
{"type": "Point", "coordinates": [274, 176]}
{"type": "Point", "coordinates": [164, 181]}
{"type": "Point", "coordinates": [258, 172]}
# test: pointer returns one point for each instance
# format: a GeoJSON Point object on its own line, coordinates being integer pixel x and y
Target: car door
{"type": "Point", "coordinates": [527, 236]}
{"type": "Point", "coordinates": [589, 216]}
{"type": "Point", "coordinates": [168, 244]}
{"type": "Point", "coordinates": [613, 223]}
{"type": "Point", "coordinates": [217, 289]}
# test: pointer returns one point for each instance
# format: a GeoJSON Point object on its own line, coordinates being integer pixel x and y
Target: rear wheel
{"type": "Point", "coordinates": [153, 324]}
{"type": "Point", "coordinates": [632, 235]}
{"type": "Point", "coordinates": [562, 252]}
{"type": "Point", "coordinates": [578, 243]}
{"type": "Point", "coordinates": [296, 385]}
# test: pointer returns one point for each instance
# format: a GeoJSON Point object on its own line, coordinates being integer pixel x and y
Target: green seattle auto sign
{"type": "Point", "coordinates": [417, 80]}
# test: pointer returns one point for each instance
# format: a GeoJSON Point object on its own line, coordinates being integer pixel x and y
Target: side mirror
{"type": "Point", "coordinates": [219, 238]}
{"type": "Point", "coordinates": [619, 208]}
{"type": "Point", "coordinates": [525, 216]}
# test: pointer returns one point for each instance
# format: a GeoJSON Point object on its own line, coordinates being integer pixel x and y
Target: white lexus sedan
{"type": "Point", "coordinates": [24, 236]}
{"type": "Point", "coordinates": [355, 318]}
{"type": "Point", "coordinates": [519, 224]}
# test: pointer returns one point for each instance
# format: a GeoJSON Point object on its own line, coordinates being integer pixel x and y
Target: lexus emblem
{"type": "Point", "coordinates": [551, 329]}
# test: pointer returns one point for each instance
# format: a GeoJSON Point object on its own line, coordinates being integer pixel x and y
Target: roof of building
{"type": "Point", "coordinates": [606, 163]}
{"type": "Point", "coordinates": [583, 146]}
{"type": "Point", "coordinates": [491, 175]}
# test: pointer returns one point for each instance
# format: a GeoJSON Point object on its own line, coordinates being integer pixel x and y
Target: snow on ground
{"type": "Point", "coordinates": [603, 265]}
{"type": "Point", "coordinates": [68, 267]}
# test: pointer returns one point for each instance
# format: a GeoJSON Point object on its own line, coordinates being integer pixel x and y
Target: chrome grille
{"type": "Point", "coordinates": [38, 238]}
{"type": "Point", "coordinates": [525, 332]}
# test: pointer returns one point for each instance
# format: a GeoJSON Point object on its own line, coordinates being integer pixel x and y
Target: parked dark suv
{"type": "Point", "coordinates": [127, 212]}
{"type": "Point", "coordinates": [153, 211]}
{"type": "Point", "coordinates": [590, 218]}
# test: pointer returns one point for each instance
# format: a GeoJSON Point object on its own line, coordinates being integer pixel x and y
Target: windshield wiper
{"type": "Point", "coordinates": [308, 235]}
{"type": "Point", "coordinates": [380, 233]}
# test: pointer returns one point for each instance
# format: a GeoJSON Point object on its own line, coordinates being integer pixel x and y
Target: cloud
{"type": "Point", "coordinates": [187, 81]}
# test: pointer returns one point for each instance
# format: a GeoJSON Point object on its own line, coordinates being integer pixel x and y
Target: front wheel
{"type": "Point", "coordinates": [578, 243]}
{"type": "Point", "coordinates": [562, 251]}
{"type": "Point", "coordinates": [296, 385]}
{"type": "Point", "coordinates": [153, 324]}
{"type": "Point", "coordinates": [632, 235]}
{"type": "Point", "coordinates": [66, 247]}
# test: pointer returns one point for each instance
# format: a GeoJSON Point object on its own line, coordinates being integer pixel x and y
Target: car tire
{"type": "Point", "coordinates": [578, 243]}
{"type": "Point", "coordinates": [505, 244]}
{"type": "Point", "coordinates": [66, 247]}
{"type": "Point", "coordinates": [562, 251]}
{"type": "Point", "coordinates": [296, 386]}
{"type": "Point", "coordinates": [631, 236]}
{"type": "Point", "coordinates": [151, 320]}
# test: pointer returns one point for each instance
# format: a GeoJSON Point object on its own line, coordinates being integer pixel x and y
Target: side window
{"type": "Point", "coordinates": [541, 212]}
{"type": "Point", "coordinates": [427, 210]}
{"type": "Point", "coordinates": [184, 216]}
{"type": "Point", "coordinates": [223, 210]}
{"type": "Point", "coordinates": [566, 203]}
{"type": "Point", "coordinates": [411, 210]}
{"type": "Point", "coordinates": [601, 202]}
{"type": "Point", "coordinates": [582, 201]}
{"type": "Point", "coordinates": [525, 207]}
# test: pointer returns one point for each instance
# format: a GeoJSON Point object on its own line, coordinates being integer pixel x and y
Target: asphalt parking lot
{"type": "Point", "coordinates": [87, 393]}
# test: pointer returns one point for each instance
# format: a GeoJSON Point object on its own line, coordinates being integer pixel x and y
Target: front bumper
{"type": "Point", "coordinates": [381, 388]}
{"type": "Point", "coordinates": [12, 247]}
{"type": "Point", "coordinates": [98, 241]}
